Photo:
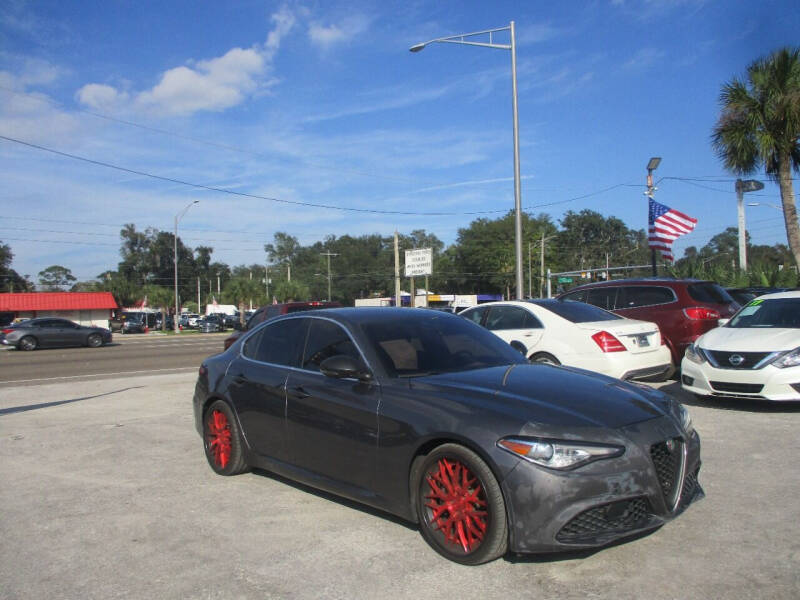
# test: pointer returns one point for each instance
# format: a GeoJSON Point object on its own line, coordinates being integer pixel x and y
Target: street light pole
{"type": "Point", "coordinates": [512, 46]}
{"type": "Point", "coordinates": [750, 185]}
{"type": "Point", "coordinates": [652, 165]}
{"type": "Point", "coordinates": [178, 217]}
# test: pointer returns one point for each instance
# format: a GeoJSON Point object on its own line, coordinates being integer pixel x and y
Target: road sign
{"type": "Point", "coordinates": [419, 262]}
{"type": "Point", "coordinates": [565, 280]}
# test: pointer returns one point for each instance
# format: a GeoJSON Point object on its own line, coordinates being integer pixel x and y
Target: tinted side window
{"type": "Point", "coordinates": [281, 343]}
{"type": "Point", "coordinates": [272, 311]}
{"type": "Point", "coordinates": [49, 324]}
{"type": "Point", "coordinates": [709, 292]}
{"type": "Point", "coordinates": [326, 339]}
{"type": "Point", "coordinates": [579, 296]}
{"type": "Point", "coordinates": [631, 297]}
{"type": "Point", "coordinates": [250, 347]}
{"type": "Point", "coordinates": [475, 315]}
{"type": "Point", "coordinates": [603, 297]}
{"type": "Point", "coordinates": [510, 317]}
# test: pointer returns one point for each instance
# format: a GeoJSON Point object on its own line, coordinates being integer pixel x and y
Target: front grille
{"type": "Point", "coordinates": [721, 359]}
{"type": "Point", "coordinates": [616, 517]}
{"type": "Point", "coordinates": [736, 388]}
{"type": "Point", "coordinates": [667, 457]}
{"type": "Point", "coordinates": [689, 487]}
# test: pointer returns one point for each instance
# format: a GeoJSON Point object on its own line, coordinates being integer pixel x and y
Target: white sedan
{"type": "Point", "coordinates": [755, 355]}
{"type": "Point", "coordinates": [578, 335]}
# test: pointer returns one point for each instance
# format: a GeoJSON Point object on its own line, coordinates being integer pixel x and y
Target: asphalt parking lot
{"type": "Point", "coordinates": [105, 493]}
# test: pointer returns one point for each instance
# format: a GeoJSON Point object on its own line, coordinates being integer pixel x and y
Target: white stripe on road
{"type": "Point", "coordinates": [103, 374]}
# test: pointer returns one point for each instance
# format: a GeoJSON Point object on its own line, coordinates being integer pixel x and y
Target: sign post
{"type": "Point", "coordinates": [418, 262]}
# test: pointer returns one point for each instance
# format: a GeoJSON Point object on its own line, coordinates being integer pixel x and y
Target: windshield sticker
{"type": "Point", "coordinates": [750, 309]}
{"type": "Point", "coordinates": [755, 302]}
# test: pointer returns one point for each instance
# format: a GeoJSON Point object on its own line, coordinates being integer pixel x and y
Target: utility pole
{"type": "Point", "coordinates": [198, 294]}
{"type": "Point", "coordinates": [217, 285]}
{"type": "Point", "coordinates": [329, 254]}
{"type": "Point", "coordinates": [266, 279]}
{"type": "Point", "coordinates": [397, 300]}
{"type": "Point", "coordinates": [530, 279]}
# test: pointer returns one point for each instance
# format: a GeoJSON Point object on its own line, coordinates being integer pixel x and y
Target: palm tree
{"type": "Point", "coordinates": [760, 126]}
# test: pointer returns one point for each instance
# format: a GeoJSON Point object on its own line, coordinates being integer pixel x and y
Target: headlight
{"type": "Point", "coordinates": [790, 359]}
{"type": "Point", "coordinates": [558, 454]}
{"type": "Point", "coordinates": [695, 354]}
{"type": "Point", "coordinates": [686, 419]}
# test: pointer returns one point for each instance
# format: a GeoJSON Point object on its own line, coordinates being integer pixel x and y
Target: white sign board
{"type": "Point", "coordinates": [419, 262]}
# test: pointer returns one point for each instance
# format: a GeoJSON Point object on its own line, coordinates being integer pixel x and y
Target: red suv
{"type": "Point", "coordinates": [684, 309]}
{"type": "Point", "coordinates": [273, 310]}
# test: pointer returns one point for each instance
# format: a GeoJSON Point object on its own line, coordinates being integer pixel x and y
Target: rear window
{"type": "Point", "coordinates": [631, 297]}
{"type": "Point", "coordinates": [578, 312]}
{"type": "Point", "coordinates": [709, 292]}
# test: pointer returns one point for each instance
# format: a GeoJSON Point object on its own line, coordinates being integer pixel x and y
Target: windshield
{"type": "Point", "coordinates": [577, 312]}
{"type": "Point", "coordinates": [441, 344]}
{"type": "Point", "coordinates": [779, 312]}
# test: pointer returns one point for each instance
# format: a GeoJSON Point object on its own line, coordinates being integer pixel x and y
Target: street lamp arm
{"type": "Point", "coordinates": [460, 39]}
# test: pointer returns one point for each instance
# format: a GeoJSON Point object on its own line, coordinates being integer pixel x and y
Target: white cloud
{"type": "Point", "coordinates": [325, 36]}
{"type": "Point", "coordinates": [100, 97]}
{"type": "Point", "coordinates": [207, 85]}
{"type": "Point", "coordinates": [213, 85]}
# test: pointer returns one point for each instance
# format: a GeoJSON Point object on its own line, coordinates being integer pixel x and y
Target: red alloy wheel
{"type": "Point", "coordinates": [457, 504]}
{"type": "Point", "coordinates": [218, 438]}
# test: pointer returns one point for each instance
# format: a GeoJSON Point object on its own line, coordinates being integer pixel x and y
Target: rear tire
{"type": "Point", "coordinates": [221, 439]}
{"type": "Point", "coordinates": [460, 507]}
{"type": "Point", "coordinates": [28, 343]}
{"type": "Point", "coordinates": [544, 357]}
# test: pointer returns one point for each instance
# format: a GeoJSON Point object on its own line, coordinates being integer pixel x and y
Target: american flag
{"type": "Point", "coordinates": [665, 226]}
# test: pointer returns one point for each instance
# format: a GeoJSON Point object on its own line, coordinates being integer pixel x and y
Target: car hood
{"type": "Point", "coordinates": [562, 396]}
{"type": "Point", "coordinates": [750, 339]}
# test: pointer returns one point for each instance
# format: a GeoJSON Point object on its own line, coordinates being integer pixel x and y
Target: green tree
{"type": "Point", "coordinates": [240, 291]}
{"type": "Point", "coordinates": [290, 291]}
{"type": "Point", "coordinates": [10, 280]}
{"type": "Point", "coordinates": [55, 277]}
{"type": "Point", "coordinates": [162, 298]}
{"type": "Point", "coordinates": [759, 126]}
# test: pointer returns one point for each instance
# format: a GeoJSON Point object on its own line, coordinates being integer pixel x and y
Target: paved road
{"type": "Point", "coordinates": [129, 354]}
{"type": "Point", "coordinates": [106, 494]}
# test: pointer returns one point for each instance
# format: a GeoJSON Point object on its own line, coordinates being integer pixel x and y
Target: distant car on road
{"type": "Point", "coordinates": [50, 333]}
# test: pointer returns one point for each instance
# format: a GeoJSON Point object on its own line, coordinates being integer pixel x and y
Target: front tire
{"type": "Point", "coordinates": [460, 506]}
{"type": "Point", "coordinates": [221, 439]}
{"type": "Point", "coordinates": [95, 340]}
{"type": "Point", "coordinates": [28, 343]}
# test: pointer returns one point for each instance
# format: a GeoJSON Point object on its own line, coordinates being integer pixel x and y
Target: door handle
{"type": "Point", "coordinates": [298, 393]}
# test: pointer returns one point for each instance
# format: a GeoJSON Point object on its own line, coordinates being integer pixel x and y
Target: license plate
{"type": "Point", "coordinates": [641, 341]}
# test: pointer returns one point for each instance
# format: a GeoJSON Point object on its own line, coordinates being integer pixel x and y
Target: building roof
{"type": "Point", "coordinates": [56, 301]}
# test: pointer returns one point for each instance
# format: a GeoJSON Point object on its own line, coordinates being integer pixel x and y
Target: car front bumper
{"type": "Point", "coordinates": [594, 505]}
{"type": "Point", "coordinates": [767, 383]}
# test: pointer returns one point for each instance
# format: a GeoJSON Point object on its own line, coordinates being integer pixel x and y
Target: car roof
{"type": "Point", "coordinates": [368, 314]}
{"type": "Point", "coordinates": [664, 281]}
{"type": "Point", "coordinates": [779, 295]}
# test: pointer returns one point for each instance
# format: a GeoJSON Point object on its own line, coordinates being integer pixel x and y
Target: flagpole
{"type": "Point", "coordinates": [652, 165]}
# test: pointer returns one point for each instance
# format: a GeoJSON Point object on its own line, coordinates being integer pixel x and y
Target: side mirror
{"type": "Point", "coordinates": [342, 366]}
{"type": "Point", "coordinates": [722, 322]}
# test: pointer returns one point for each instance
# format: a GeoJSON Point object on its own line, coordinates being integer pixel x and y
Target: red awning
{"type": "Point", "coordinates": [56, 301]}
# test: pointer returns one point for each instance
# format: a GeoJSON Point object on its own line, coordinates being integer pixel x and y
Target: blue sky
{"type": "Point", "coordinates": [322, 103]}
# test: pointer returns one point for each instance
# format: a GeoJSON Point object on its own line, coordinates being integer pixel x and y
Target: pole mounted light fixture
{"type": "Point", "coordinates": [178, 217]}
{"type": "Point", "coordinates": [749, 185]}
{"type": "Point", "coordinates": [466, 39]}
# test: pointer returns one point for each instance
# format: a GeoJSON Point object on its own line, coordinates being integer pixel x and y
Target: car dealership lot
{"type": "Point", "coordinates": [106, 493]}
